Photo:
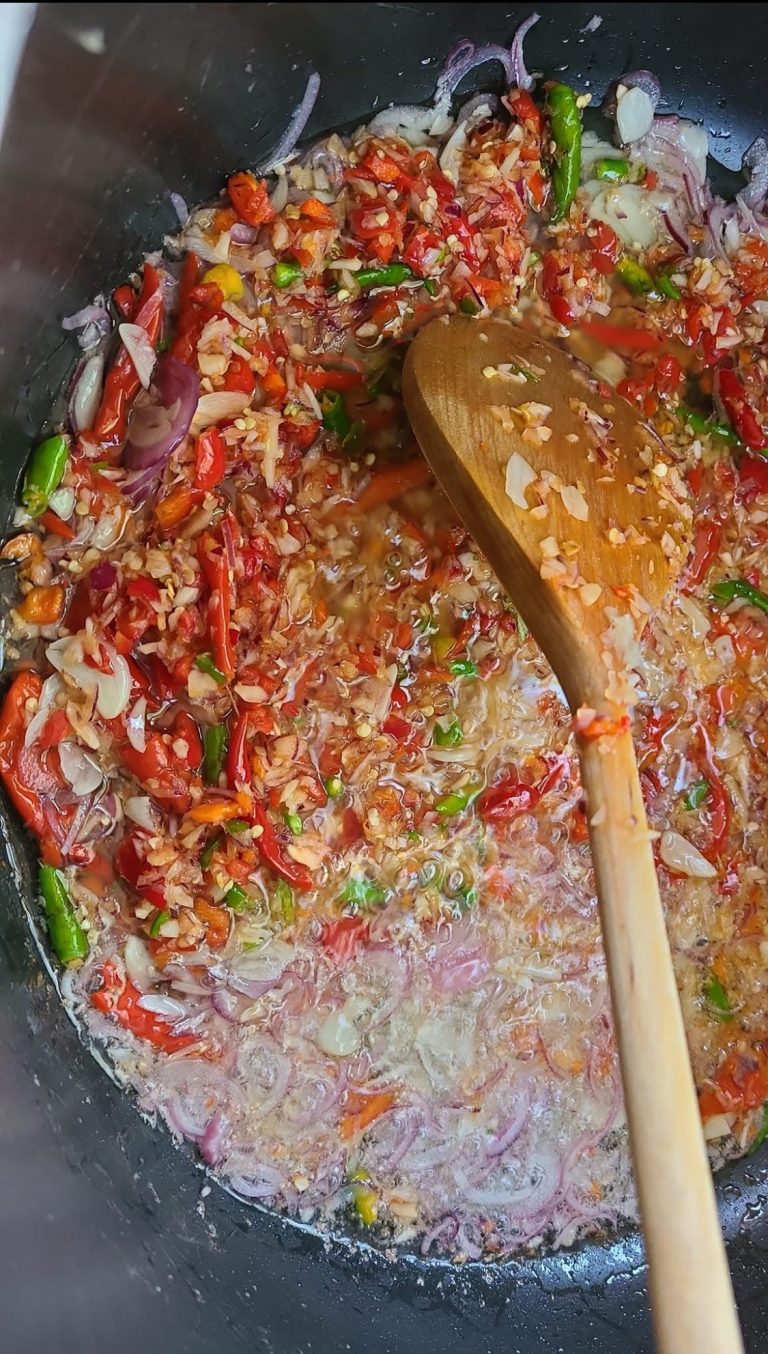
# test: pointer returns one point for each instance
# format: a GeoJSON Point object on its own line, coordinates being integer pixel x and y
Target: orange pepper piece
{"type": "Point", "coordinates": [43, 606]}
{"type": "Point", "coordinates": [372, 1108]}
{"type": "Point", "coordinates": [172, 510]}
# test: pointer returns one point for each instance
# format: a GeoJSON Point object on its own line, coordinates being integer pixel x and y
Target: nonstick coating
{"type": "Point", "coordinates": [106, 1246]}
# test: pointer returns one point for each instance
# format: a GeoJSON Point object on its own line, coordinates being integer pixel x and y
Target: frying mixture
{"type": "Point", "coordinates": [315, 853]}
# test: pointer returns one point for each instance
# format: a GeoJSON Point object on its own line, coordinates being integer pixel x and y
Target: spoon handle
{"type": "Point", "coordinates": [690, 1286]}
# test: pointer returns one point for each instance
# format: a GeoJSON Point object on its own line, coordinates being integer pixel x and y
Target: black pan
{"type": "Point", "coordinates": [106, 1246]}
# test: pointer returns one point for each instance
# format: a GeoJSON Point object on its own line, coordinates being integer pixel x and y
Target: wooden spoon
{"type": "Point", "coordinates": [577, 507]}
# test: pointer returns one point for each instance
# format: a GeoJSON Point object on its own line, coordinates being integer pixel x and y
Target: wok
{"type": "Point", "coordinates": [106, 1243]}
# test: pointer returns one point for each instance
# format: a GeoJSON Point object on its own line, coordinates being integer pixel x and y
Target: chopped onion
{"type": "Point", "coordinates": [338, 1036]}
{"type": "Point", "coordinates": [634, 115]}
{"type": "Point", "coordinates": [180, 207]}
{"type": "Point", "coordinates": [630, 211]}
{"type": "Point", "coordinates": [519, 476]}
{"type": "Point", "coordinates": [112, 689]}
{"type": "Point", "coordinates": [82, 772]}
{"type": "Point", "coordinates": [683, 857]}
{"type": "Point", "coordinates": [108, 528]}
{"type": "Point", "coordinates": [140, 351]}
{"type": "Point", "coordinates": [142, 812]}
{"type": "Point", "coordinates": [170, 1008]}
{"type": "Point", "coordinates": [293, 131]}
{"type": "Point", "coordinates": [754, 162]}
{"type": "Point", "coordinates": [214, 408]}
{"type": "Point", "coordinates": [63, 503]}
{"type": "Point", "coordinates": [48, 693]}
{"type": "Point", "coordinates": [520, 75]}
{"type": "Point", "coordinates": [135, 725]}
{"type": "Point", "coordinates": [85, 398]}
{"type": "Point", "coordinates": [156, 429]}
{"type": "Point", "coordinates": [103, 576]}
{"type": "Point", "coordinates": [450, 156]}
{"type": "Point", "coordinates": [94, 322]}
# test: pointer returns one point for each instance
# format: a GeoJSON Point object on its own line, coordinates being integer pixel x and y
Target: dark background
{"type": "Point", "coordinates": [105, 1244]}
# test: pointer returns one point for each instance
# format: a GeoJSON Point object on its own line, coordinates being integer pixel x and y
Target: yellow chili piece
{"type": "Point", "coordinates": [173, 509]}
{"type": "Point", "coordinates": [220, 810]}
{"type": "Point", "coordinates": [43, 606]}
{"type": "Point", "coordinates": [227, 279]}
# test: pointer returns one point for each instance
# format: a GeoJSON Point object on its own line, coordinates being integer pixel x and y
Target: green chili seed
{"type": "Point", "coordinates": [696, 794]}
{"type": "Point", "coordinates": [717, 997]}
{"type": "Point", "coordinates": [360, 894]}
{"type": "Point", "coordinates": [469, 305]}
{"type": "Point", "coordinates": [238, 899]}
{"type": "Point", "coordinates": [334, 787]}
{"type": "Point", "coordinates": [463, 667]}
{"type": "Point", "coordinates": [285, 274]}
{"type": "Point", "coordinates": [730, 588]}
{"type": "Point", "coordinates": [636, 278]}
{"type": "Point", "coordinates": [67, 935]}
{"type": "Point", "coordinates": [565, 126]}
{"type": "Point", "coordinates": [206, 664]}
{"type": "Point", "coordinates": [44, 474]}
{"type": "Point", "coordinates": [611, 171]}
{"type": "Point", "coordinates": [206, 855]}
{"type": "Point", "coordinates": [159, 919]}
{"type": "Point", "coordinates": [390, 276]}
{"type": "Point", "coordinates": [450, 736]}
{"type": "Point", "coordinates": [214, 751]}
{"type": "Point", "coordinates": [762, 1132]}
{"type": "Point", "coordinates": [294, 824]}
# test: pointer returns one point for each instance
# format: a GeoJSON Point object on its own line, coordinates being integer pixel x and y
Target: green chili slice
{"type": "Point", "coordinates": [214, 751]}
{"type": "Point", "coordinates": [334, 787]}
{"type": "Point", "coordinates": [44, 474]}
{"type": "Point", "coordinates": [696, 794]}
{"type": "Point", "coordinates": [456, 802]}
{"type": "Point", "coordinates": [469, 305]}
{"type": "Point", "coordinates": [237, 825]}
{"type": "Point", "coordinates": [392, 275]}
{"type": "Point", "coordinates": [464, 667]}
{"type": "Point", "coordinates": [206, 855]}
{"type": "Point", "coordinates": [294, 824]}
{"type": "Point", "coordinates": [206, 664]}
{"type": "Point", "coordinates": [449, 736]}
{"type": "Point", "coordinates": [360, 894]}
{"type": "Point", "coordinates": [238, 899]}
{"type": "Point", "coordinates": [717, 997]}
{"type": "Point", "coordinates": [159, 919]}
{"type": "Point", "coordinates": [430, 287]}
{"type": "Point", "coordinates": [285, 274]}
{"type": "Point", "coordinates": [335, 417]}
{"type": "Point", "coordinates": [565, 126]}
{"type": "Point", "coordinates": [282, 902]}
{"type": "Point", "coordinates": [67, 935]}
{"type": "Point", "coordinates": [667, 287]}
{"type": "Point", "coordinates": [706, 425]}
{"type": "Point", "coordinates": [636, 278]}
{"type": "Point", "coordinates": [730, 588]}
{"type": "Point", "coordinates": [611, 171]}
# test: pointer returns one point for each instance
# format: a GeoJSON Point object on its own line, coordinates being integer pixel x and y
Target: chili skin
{"type": "Point", "coordinates": [119, 999]}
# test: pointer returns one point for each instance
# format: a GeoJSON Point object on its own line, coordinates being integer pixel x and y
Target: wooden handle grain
{"type": "Point", "coordinates": [690, 1287]}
